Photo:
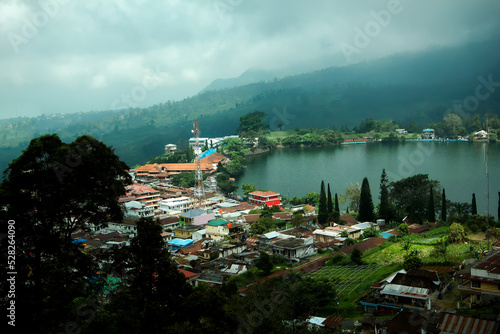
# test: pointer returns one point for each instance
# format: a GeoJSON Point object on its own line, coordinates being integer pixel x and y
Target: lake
{"type": "Point", "coordinates": [458, 166]}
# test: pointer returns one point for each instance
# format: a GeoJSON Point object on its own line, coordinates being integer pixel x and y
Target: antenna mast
{"type": "Point", "coordinates": [199, 191]}
{"type": "Point", "coordinates": [487, 172]}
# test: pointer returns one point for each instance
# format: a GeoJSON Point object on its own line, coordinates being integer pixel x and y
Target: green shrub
{"type": "Point", "coordinates": [339, 260]}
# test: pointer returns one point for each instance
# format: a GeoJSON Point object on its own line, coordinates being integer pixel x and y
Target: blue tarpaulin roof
{"type": "Point", "coordinates": [180, 242]}
{"type": "Point", "coordinates": [386, 234]}
{"type": "Point", "coordinates": [79, 241]}
{"type": "Point", "coordinates": [207, 153]}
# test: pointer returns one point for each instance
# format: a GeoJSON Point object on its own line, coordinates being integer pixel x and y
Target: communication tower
{"type": "Point", "coordinates": [199, 191]}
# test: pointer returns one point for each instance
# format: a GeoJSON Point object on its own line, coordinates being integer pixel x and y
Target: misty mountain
{"type": "Point", "coordinates": [420, 87]}
{"type": "Point", "coordinates": [247, 77]}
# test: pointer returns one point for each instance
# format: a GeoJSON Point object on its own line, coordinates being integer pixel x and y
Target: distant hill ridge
{"type": "Point", "coordinates": [408, 86]}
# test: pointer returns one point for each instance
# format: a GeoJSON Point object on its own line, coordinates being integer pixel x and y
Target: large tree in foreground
{"type": "Point", "coordinates": [366, 203]}
{"type": "Point", "coordinates": [50, 191]}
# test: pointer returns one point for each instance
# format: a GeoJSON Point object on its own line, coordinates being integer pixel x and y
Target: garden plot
{"type": "Point", "coordinates": [347, 278]}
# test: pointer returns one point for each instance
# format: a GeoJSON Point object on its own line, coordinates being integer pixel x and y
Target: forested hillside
{"type": "Point", "coordinates": [420, 87]}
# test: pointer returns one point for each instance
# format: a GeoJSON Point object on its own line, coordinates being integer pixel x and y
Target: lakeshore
{"type": "Point", "coordinates": [295, 171]}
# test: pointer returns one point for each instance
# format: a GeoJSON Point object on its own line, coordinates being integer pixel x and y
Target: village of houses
{"type": "Point", "coordinates": [209, 241]}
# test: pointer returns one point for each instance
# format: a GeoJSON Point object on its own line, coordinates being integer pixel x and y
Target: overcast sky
{"type": "Point", "coordinates": [63, 56]}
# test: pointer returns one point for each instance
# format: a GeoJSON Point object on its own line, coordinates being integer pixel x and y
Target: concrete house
{"type": "Point", "coordinates": [219, 228]}
{"type": "Point", "coordinates": [135, 209]}
{"type": "Point", "coordinates": [481, 282]}
{"type": "Point", "coordinates": [294, 249]}
{"type": "Point", "coordinates": [187, 231]}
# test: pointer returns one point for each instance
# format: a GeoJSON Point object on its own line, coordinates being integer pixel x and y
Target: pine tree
{"type": "Point", "coordinates": [431, 211]}
{"type": "Point", "coordinates": [322, 208]}
{"type": "Point", "coordinates": [443, 206]}
{"type": "Point", "coordinates": [384, 209]}
{"type": "Point", "coordinates": [474, 206]}
{"type": "Point", "coordinates": [366, 203]}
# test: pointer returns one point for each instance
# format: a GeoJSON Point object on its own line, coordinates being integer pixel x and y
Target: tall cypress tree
{"type": "Point", "coordinates": [431, 211]}
{"type": "Point", "coordinates": [498, 213]}
{"type": "Point", "coordinates": [366, 203]}
{"type": "Point", "coordinates": [337, 209]}
{"type": "Point", "coordinates": [474, 206]}
{"type": "Point", "coordinates": [384, 209]}
{"type": "Point", "coordinates": [443, 206]}
{"type": "Point", "coordinates": [329, 203]}
{"type": "Point", "coordinates": [322, 208]}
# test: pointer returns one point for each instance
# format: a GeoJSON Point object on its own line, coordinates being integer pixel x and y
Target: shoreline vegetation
{"type": "Point", "coordinates": [452, 129]}
{"type": "Point", "coordinates": [255, 137]}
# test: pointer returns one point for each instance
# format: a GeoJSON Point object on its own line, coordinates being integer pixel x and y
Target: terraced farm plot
{"type": "Point", "coordinates": [347, 278]}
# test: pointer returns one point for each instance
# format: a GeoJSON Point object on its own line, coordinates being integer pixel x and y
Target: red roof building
{"type": "Point", "coordinates": [186, 273]}
{"type": "Point", "coordinates": [268, 198]}
{"type": "Point", "coordinates": [143, 194]}
{"type": "Point", "coordinates": [163, 171]}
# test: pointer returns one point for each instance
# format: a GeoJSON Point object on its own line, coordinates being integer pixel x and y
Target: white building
{"type": "Point", "coordinates": [211, 142]}
{"type": "Point", "coordinates": [170, 148]}
{"type": "Point", "coordinates": [176, 205]}
{"type": "Point", "coordinates": [135, 209]}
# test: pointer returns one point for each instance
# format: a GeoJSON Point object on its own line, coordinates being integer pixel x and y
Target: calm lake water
{"type": "Point", "coordinates": [458, 166]}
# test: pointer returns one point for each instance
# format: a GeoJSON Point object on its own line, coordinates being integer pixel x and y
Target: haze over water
{"type": "Point", "coordinates": [458, 166]}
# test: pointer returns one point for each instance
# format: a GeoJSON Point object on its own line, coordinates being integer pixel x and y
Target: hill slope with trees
{"type": "Point", "coordinates": [420, 87]}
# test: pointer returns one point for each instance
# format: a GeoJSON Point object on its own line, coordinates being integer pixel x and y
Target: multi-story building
{"type": "Point", "coordinates": [143, 194]}
{"type": "Point", "coordinates": [176, 204]}
{"type": "Point", "coordinates": [481, 282]}
{"type": "Point", "coordinates": [219, 228]}
{"type": "Point", "coordinates": [268, 198]}
{"type": "Point", "coordinates": [135, 209]}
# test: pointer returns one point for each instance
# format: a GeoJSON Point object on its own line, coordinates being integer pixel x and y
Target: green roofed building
{"type": "Point", "coordinates": [217, 222]}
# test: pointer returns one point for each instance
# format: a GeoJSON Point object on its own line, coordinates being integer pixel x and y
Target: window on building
{"type": "Point", "coordinates": [475, 284]}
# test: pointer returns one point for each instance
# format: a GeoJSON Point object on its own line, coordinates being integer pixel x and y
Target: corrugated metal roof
{"type": "Point", "coordinates": [491, 264]}
{"type": "Point", "coordinates": [456, 324]}
{"type": "Point", "coordinates": [410, 291]}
